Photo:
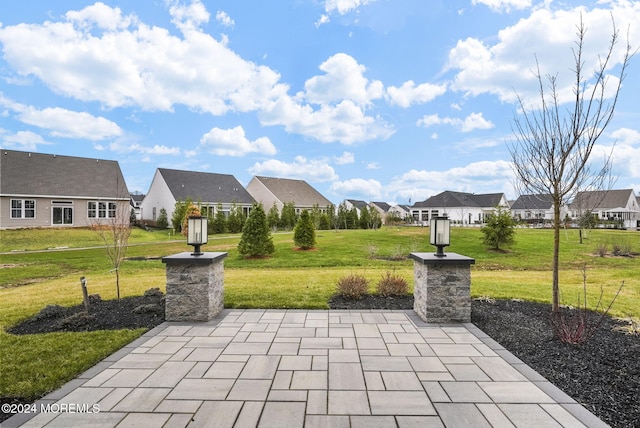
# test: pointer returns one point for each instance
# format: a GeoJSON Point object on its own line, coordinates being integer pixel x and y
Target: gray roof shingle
{"type": "Point", "coordinates": [39, 174]}
{"type": "Point", "coordinates": [451, 199]}
{"type": "Point", "coordinates": [205, 187]}
{"type": "Point", "coordinates": [299, 192]}
{"type": "Point", "coordinates": [533, 202]}
{"type": "Point", "coordinates": [602, 199]}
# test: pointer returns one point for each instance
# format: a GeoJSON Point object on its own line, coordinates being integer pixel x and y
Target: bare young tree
{"type": "Point", "coordinates": [114, 229]}
{"type": "Point", "coordinates": [553, 144]}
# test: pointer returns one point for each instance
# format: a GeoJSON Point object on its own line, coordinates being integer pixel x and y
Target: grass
{"type": "Point", "coordinates": [34, 365]}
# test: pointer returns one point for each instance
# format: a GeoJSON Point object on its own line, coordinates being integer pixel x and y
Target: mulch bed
{"type": "Point", "coordinates": [603, 374]}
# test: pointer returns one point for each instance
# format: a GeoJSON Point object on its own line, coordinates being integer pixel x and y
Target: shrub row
{"type": "Point", "coordinates": [356, 286]}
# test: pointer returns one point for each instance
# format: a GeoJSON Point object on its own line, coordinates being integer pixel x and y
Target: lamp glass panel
{"type": "Point", "coordinates": [197, 233]}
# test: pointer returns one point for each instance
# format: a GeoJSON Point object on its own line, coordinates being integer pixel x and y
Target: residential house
{"type": "Point", "coordinates": [534, 208]}
{"type": "Point", "coordinates": [47, 190]}
{"type": "Point", "coordinates": [355, 203]}
{"type": "Point", "coordinates": [400, 210]}
{"type": "Point", "coordinates": [269, 191]}
{"type": "Point", "coordinates": [382, 208]}
{"type": "Point", "coordinates": [609, 205]}
{"type": "Point", "coordinates": [204, 188]}
{"type": "Point", "coordinates": [136, 201]}
{"type": "Point", "coordinates": [463, 208]}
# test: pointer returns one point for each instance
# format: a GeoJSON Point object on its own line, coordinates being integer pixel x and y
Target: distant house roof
{"type": "Point", "coordinates": [357, 203]}
{"type": "Point", "coordinates": [602, 199]}
{"type": "Point", "coordinates": [533, 202]}
{"type": "Point", "coordinates": [299, 192]}
{"type": "Point", "coordinates": [205, 186]}
{"type": "Point", "coordinates": [385, 207]}
{"type": "Point", "coordinates": [449, 199]}
{"type": "Point", "coordinates": [47, 175]}
{"type": "Point", "coordinates": [137, 198]}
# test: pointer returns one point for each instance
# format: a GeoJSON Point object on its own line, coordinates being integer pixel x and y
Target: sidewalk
{"type": "Point", "coordinates": [299, 368]}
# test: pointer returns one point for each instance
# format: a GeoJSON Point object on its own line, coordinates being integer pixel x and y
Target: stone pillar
{"type": "Point", "coordinates": [442, 288]}
{"type": "Point", "coordinates": [195, 286]}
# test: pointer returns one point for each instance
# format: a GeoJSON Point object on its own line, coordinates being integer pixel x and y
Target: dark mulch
{"type": "Point", "coordinates": [127, 313]}
{"type": "Point", "coordinates": [602, 374]}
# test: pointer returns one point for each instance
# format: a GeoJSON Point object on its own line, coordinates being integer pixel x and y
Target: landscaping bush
{"type": "Point", "coordinates": [353, 286]}
{"type": "Point", "coordinates": [163, 220]}
{"type": "Point", "coordinates": [392, 285]}
{"type": "Point", "coordinates": [256, 237]}
{"type": "Point", "coordinates": [304, 235]}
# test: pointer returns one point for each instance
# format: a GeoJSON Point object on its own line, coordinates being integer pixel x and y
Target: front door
{"type": "Point", "coordinates": [62, 216]}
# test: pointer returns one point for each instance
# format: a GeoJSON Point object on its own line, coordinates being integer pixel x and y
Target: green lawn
{"type": "Point", "coordinates": [35, 365]}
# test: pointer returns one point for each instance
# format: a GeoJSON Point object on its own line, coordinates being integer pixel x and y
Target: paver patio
{"type": "Point", "coordinates": [299, 368]}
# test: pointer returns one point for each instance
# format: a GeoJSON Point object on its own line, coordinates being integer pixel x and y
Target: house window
{"type": "Point", "coordinates": [23, 208]}
{"type": "Point", "coordinates": [101, 209]}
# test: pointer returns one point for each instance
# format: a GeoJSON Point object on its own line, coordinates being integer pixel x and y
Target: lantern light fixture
{"type": "Point", "coordinates": [197, 234]}
{"type": "Point", "coordinates": [439, 234]}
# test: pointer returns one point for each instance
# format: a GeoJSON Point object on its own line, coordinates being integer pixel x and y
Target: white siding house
{"type": "Point", "coordinates": [207, 189]}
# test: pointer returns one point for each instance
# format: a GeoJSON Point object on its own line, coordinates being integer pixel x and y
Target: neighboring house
{"type": "Point", "coordinates": [608, 205]}
{"type": "Point", "coordinates": [531, 208]}
{"type": "Point", "coordinates": [400, 210]}
{"type": "Point", "coordinates": [382, 208]}
{"type": "Point", "coordinates": [204, 188]}
{"type": "Point", "coordinates": [269, 191]}
{"type": "Point", "coordinates": [136, 201]}
{"type": "Point", "coordinates": [355, 203]}
{"type": "Point", "coordinates": [45, 190]}
{"type": "Point", "coordinates": [465, 208]}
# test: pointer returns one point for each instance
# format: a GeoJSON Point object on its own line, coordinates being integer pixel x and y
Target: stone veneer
{"type": "Point", "coordinates": [195, 286]}
{"type": "Point", "coordinates": [442, 287]}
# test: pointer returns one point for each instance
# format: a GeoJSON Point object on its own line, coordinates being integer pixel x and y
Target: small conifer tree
{"type": "Point", "coordinates": [256, 237]}
{"type": "Point", "coordinates": [219, 220]}
{"type": "Point", "coordinates": [499, 229]}
{"type": "Point", "coordinates": [304, 234]}
{"type": "Point", "coordinates": [163, 220]}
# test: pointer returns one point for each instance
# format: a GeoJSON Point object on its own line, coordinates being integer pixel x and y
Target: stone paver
{"type": "Point", "coordinates": [298, 368]}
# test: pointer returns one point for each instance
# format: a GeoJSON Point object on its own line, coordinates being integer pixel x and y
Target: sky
{"type": "Point", "coordinates": [378, 100]}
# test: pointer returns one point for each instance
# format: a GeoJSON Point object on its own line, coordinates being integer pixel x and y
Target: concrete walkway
{"type": "Point", "coordinates": [298, 368]}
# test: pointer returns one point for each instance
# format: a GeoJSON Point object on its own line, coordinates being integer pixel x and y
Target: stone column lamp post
{"type": "Point", "coordinates": [195, 281]}
{"type": "Point", "coordinates": [442, 282]}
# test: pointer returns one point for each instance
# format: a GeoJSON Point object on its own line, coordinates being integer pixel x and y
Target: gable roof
{"type": "Point", "coordinates": [205, 186]}
{"type": "Point", "coordinates": [357, 203]}
{"type": "Point", "coordinates": [533, 202]}
{"type": "Point", "coordinates": [449, 199]}
{"type": "Point", "coordinates": [599, 199]}
{"type": "Point", "coordinates": [299, 192]}
{"type": "Point", "coordinates": [47, 175]}
{"type": "Point", "coordinates": [385, 207]}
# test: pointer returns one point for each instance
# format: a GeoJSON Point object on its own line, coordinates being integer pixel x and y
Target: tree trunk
{"type": "Point", "coordinates": [556, 256]}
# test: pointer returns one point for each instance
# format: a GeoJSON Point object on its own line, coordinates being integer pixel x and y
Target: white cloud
{"type": "Point", "coordinates": [21, 140]}
{"type": "Point", "coordinates": [133, 64]}
{"type": "Point", "coordinates": [504, 5]}
{"type": "Point", "coordinates": [373, 165]}
{"type": "Point", "coordinates": [123, 146]}
{"type": "Point", "coordinates": [233, 142]}
{"type": "Point", "coordinates": [476, 177]}
{"type": "Point", "coordinates": [409, 93]}
{"type": "Point", "coordinates": [345, 123]}
{"type": "Point", "coordinates": [343, 80]}
{"type": "Point", "coordinates": [62, 122]}
{"type": "Point", "coordinates": [103, 56]}
{"type": "Point", "coordinates": [301, 168]}
{"type": "Point", "coordinates": [223, 18]}
{"type": "Point", "coordinates": [324, 19]}
{"type": "Point", "coordinates": [506, 67]}
{"type": "Point", "coordinates": [344, 6]}
{"type": "Point", "coordinates": [369, 189]}
{"type": "Point", "coordinates": [70, 124]}
{"type": "Point", "coordinates": [625, 154]}
{"type": "Point", "coordinates": [472, 122]}
{"type": "Point", "coordinates": [345, 158]}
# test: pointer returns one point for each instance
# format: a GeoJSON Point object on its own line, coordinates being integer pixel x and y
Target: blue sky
{"type": "Point", "coordinates": [384, 100]}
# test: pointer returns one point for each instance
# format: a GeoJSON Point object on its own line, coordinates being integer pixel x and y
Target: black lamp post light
{"type": "Point", "coordinates": [439, 234]}
{"type": "Point", "coordinates": [197, 234]}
